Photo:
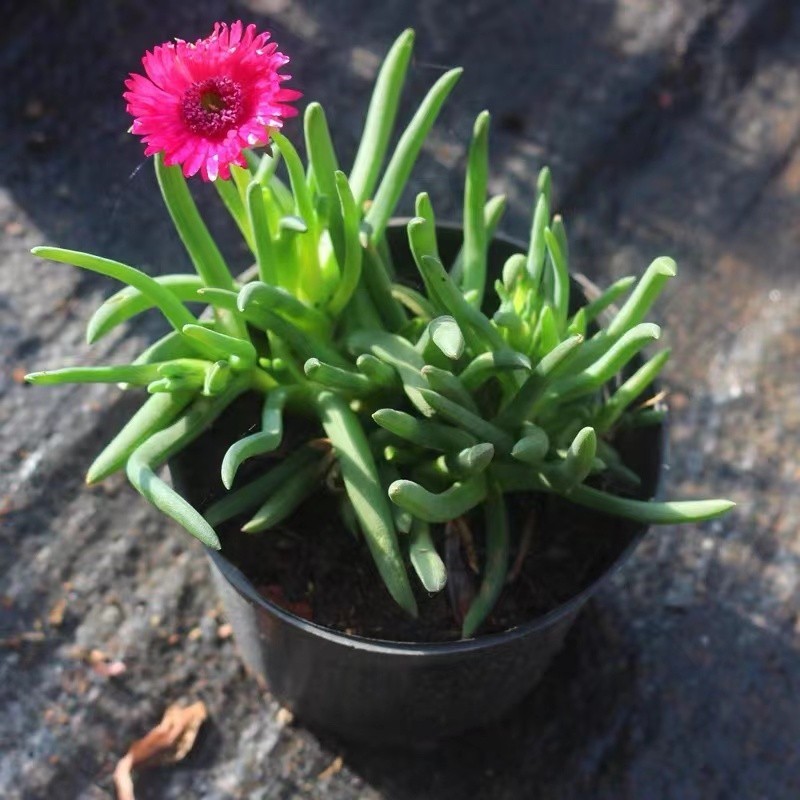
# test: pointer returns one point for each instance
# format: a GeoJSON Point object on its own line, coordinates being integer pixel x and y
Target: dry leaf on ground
{"type": "Point", "coordinates": [169, 742]}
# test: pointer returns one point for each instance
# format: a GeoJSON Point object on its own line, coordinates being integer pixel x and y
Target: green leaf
{"type": "Point", "coordinates": [199, 243]}
{"type": "Point", "coordinates": [475, 242]}
{"type": "Point", "coordinates": [447, 336]}
{"type": "Point", "coordinates": [458, 415]}
{"type": "Point", "coordinates": [285, 499]}
{"type": "Point", "coordinates": [229, 194]}
{"type": "Point", "coordinates": [423, 432]}
{"type": "Point", "coordinates": [642, 297]}
{"type": "Point", "coordinates": [449, 386]}
{"type": "Point", "coordinates": [381, 117]}
{"type": "Point", "coordinates": [134, 374]}
{"type": "Point", "coordinates": [342, 380]}
{"type": "Point", "coordinates": [353, 254]}
{"type": "Point", "coordinates": [172, 308]}
{"type": "Point", "coordinates": [426, 561]}
{"type": "Point", "coordinates": [594, 309]}
{"type": "Point", "coordinates": [537, 248]}
{"type": "Point", "coordinates": [367, 495]}
{"type": "Point", "coordinates": [632, 388]}
{"type": "Point", "coordinates": [161, 446]}
{"type": "Point", "coordinates": [322, 160]}
{"type": "Point", "coordinates": [156, 413]}
{"type": "Point", "coordinates": [222, 345]}
{"type": "Point", "coordinates": [249, 496]}
{"type": "Point", "coordinates": [217, 378]}
{"type": "Point", "coordinates": [262, 236]}
{"type": "Point", "coordinates": [558, 258]}
{"type": "Point", "coordinates": [578, 463]}
{"type": "Point", "coordinates": [414, 301]}
{"type": "Point", "coordinates": [608, 365]}
{"type": "Point", "coordinates": [532, 390]}
{"type": "Point", "coordinates": [496, 569]}
{"type": "Point", "coordinates": [469, 462]}
{"type": "Point", "coordinates": [282, 302]}
{"type": "Point", "coordinates": [129, 302]}
{"type": "Point", "coordinates": [405, 154]}
{"type": "Point", "coordinates": [492, 214]}
{"type": "Point", "coordinates": [375, 276]}
{"type": "Point", "coordinates": [486, 365]}
{"type": "Point", "coordinates": [654, 513]}
{"type": "Point", "coordinates": [265, 441]}
{"type": "Point", "coordinates": [399, 354]}
{"type": "Point", "coordinates": [441, 507]}
{"type": "Point", "coordinates": [532, 448]}
{"type": "Point", "coordinates": [478, 331]}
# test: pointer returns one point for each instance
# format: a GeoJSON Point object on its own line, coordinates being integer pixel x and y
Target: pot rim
{"type": "Point", "coordinates": [245, 587]}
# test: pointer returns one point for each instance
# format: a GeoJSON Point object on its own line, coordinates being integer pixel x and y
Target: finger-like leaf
{"type": "Point", "coordinates": [285, 499]}
{"type": "Point", "coordinates": [367, 495]}
{"type": "Point", "coordinates": [558, 258]}
{"type": "Point", "coordinates": [343, 380]}
{"type": "Point", "coordinates": [229, 194]}
{"type": "Point", "coordinates": [426, 561]}
{"type": "Point", "coordinates": [651, 512]}
{"type": "Point", "coordinates": [447, 336]}
{"type": "Point", "coordinates": [262, 236]}
{"type": "Point", "coordinates": [285, 304]}
{"type": "Point", "coordinates": [607, 298]}
{"type": "Point", "coordinates": [172, 308]}
{"type": "Point", "coordinates": [160, 446]}
{"type": "Point", "coordinates": [401, 355]}
{"type": "Point", "coordinates": [492, 214]}
{"type": "Point", "coordinates": [616, 405]}
{"type": "Point", "coordinates": [134, 374]}
{"type": "Point", "coordinates": [473, 277]}
{"type": "Point", "coordinates": [423, 432]}
{"type": "Point", "coordinates": [199, 243]}
{"type": "Point", "coordinates": [442, 507]}
{"type": "Point", "coordinates": [129, 302]}
{"type": "Point", "coordinates": [156, 413]}
{"type": "Point", "coordinates": [608, 365]}
{"type": "Point", "coordinates": [252, 494]}
{"type": "Point", "coordinates": [449, 386]}
{"type": "Point", "coordinates": [458, 415]}
{"type": "Point", "coordinates": [353, 254]}
{"type": "Point", "coordinates": [642, 297]}
{"type": "Point", "coordinates": [380, 117]}
{"type": "Point", "coordinates": [532, 448]}
{"type": "Point", "coordinates": [265, 441]}
{"type": "Point", "coordinates": [401, 162]}
{"type": "Point", "coordinates": [222, 345]}
{"type": "Point", "coordinates": [496, 568]}
{"type": "Point", "coordinates": [484, 366]}
{"type": "Point", "coordinates": [523, 403]}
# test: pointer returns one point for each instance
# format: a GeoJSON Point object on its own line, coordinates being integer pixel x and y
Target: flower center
{"type": "Point", "coordinates": [213, 106]}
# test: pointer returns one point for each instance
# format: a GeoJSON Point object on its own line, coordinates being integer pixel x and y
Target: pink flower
{"type": "Point", "coordinates": [201, 104]}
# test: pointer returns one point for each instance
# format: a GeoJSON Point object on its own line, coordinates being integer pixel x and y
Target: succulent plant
{"type": "Point", "coordinates": [431, 401]}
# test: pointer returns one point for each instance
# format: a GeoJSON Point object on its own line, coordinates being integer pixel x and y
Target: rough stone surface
{"type": "Point", "coordinates": [672, 127]}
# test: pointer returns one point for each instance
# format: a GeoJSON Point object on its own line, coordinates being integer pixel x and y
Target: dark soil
{"type": "Point", "coordinates": [313, 566]}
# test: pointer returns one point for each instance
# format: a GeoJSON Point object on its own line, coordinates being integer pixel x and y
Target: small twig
{"type": "Point", "coordinates": [460, 586]}
{"type": "Point", "coordinates": [654, 400]}
{"type": "Point", "coordinates": [524, 547]}
{"type": "Point", "coordinates": [467, 542]}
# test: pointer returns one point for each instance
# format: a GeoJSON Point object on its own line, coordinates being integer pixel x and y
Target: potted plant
{"type": "Point", "coordinates": [473, 413]}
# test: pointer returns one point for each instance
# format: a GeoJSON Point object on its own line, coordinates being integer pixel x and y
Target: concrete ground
{"type": "Point", "coordinates": [672, 126]}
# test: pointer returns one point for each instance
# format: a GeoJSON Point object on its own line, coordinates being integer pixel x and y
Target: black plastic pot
{"type": "Point", "coordinates": [388, 693]}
